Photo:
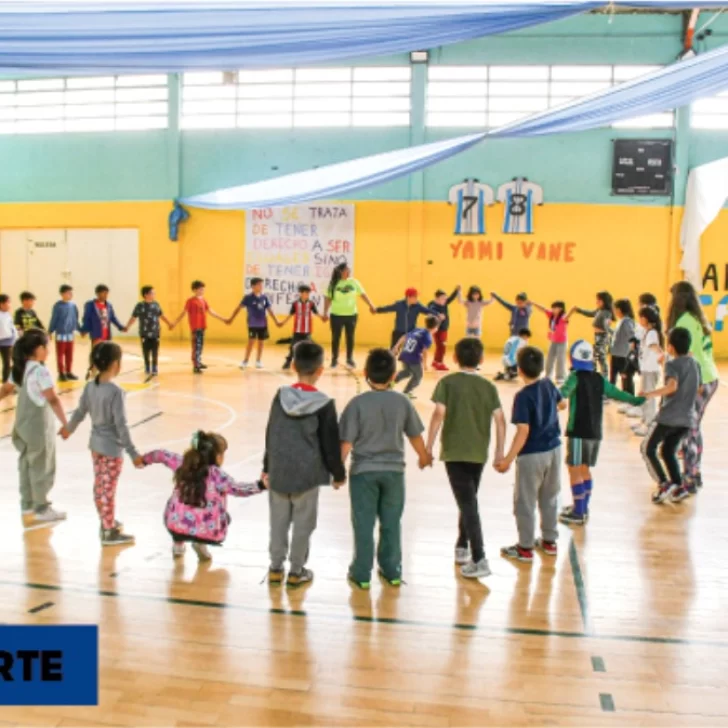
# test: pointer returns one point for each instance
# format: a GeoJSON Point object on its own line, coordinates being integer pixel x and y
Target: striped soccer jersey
{"type": "Point", "coordinates": [519, 197]}
{"type": "Point", "coordinates": [470, 198]}
{"type": "Point", "coordinates": [303, 311]}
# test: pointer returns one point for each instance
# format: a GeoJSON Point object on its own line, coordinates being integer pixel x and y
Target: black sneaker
{"type": "Point", "coordinates": [663, 493]}
{"type": "Point", "coordinates": [62, 378]}
{"type": "Point", "coordinates": [692, 489]}
{"type": "Point", "coordinates": [394, 581]}
{"type": "Point", "coordinates": [679, 494]}
{"type": "Point", "coordinates": [299, 578]}
{"type": "Point", "coordinates": [499, 377]}
{"type": "Point", "coordinates": [363, 585]}
{"type": "Point", "coordinates": [351, 363]}
{"type": "Point", "coordinates": [197, 370]}
{"type": "Point", "coordinates": [287, 366]}
{"type": "Point", "coordinates": [71, 378]}
{"type": "Point", "coordinates": [203, 366]}
{"type": "Point", "coordinates": [114, 537]}
{"type": "Point", "coordinates": [570, 518]}
{"type": "Point", "coordinates": [334, 363]}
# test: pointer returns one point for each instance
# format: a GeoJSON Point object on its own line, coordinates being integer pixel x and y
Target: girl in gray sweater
{"type": "Point", "coordinates": [103, 401]}
{"type": "Point", "coordinates": [623, 334]}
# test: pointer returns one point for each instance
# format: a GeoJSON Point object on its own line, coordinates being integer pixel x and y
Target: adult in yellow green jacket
{"type": "Point", "coordinates": [685, 312]}
{"type": "Point", "coordinates": [340, 306]}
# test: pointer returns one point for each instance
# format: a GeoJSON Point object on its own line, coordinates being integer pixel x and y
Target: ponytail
{"type": "Point", "coordinates": [191, 477]}
{"type": "Point", "coordinates": [649, 314]}
{"type": "Point", "coordinates": [335, 278]}
{"type": "Point", "coordinates": [103, 356]}
{"type": "Point", "coordinates": [25, 347]}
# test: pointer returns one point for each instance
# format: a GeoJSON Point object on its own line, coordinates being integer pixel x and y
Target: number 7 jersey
{"type": "Point", "coordinates": [519, 197]}
{"type": "Point", "coordinates": [470, 198]}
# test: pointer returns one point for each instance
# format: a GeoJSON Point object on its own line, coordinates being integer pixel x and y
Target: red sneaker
{"type": "Point", "coordinates": [439, 366]}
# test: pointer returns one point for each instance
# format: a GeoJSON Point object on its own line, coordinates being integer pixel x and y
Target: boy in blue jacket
{"type": "Point", "coordinates": [64, 324]}
{"type": "Point", "coordinates": [98, 316]}
{"type": "Point", "coordinates": [406, 311]}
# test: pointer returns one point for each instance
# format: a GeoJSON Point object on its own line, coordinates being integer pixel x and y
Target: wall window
{"type": "Point", "coordinates": [711, 113]}
{"type": "Point", "coordinates": [305, 97]}
{"type": "Point", "coordinates": [101, 103]}
{"type": "Point", "coordinates": [490, 96]}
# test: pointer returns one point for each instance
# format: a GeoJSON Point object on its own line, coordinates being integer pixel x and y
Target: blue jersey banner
{"type": "Point", "coordinates": [49, 665]}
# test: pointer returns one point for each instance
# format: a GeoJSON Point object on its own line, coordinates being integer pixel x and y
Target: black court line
{"type": "Point", "coordinates": [41, 607]}
{"type": "Point", "coordinates": [68, 390]}
{"type": "Point", "coordinates": [146, 419]}
{"type": "Point", "coordinates": [459, 626]}
{"type": "Point", "coordinates": [579, 586]}
{"type": "Point", "coordinates": [598, 664]}
{"type": "Point", "coordinates": [607, 702]}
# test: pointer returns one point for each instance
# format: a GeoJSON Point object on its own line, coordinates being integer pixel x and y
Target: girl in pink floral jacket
{"type": "Point", "coordinates": [197, 509]}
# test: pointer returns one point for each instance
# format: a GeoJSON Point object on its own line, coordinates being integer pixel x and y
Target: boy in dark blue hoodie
{"type": "Point", "coordinates": [302, 452]}
{"type": "Point", "coordinates": [406, 311]}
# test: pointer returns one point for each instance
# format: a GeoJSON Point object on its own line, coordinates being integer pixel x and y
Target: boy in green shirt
{"type": "Point", "coordinates": [465, 405]}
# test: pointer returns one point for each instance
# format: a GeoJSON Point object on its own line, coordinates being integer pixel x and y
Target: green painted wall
{"type": "Point", "coordinates": [571, 168]}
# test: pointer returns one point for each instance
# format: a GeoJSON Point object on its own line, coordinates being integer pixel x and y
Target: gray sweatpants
{"type": "Point", "coordinates": [413, 372]}
{"type": "Point", "coordinates": [650, 380]}
{"type": "Point", "coordinates": [299, 510]}
{"type": "Point", "coordinates": [538, 483]}
{"type": "Point", "coordinates": [556, 356]}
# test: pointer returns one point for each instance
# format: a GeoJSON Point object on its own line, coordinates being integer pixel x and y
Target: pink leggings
{"type": "Point", "coordinates": [106, 477]}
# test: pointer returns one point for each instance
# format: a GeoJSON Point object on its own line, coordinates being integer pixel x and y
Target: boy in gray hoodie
{"type": "Point", "coordinates": [302, 452]}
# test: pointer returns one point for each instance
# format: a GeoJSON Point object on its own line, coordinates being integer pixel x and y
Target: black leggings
{"type": "Point", "coordinates": [5, 353]}
{"type": "Point", "coordinates": [465, 481]}
{"type": "Point", "coordinates": [150, 349]}
{"type": "Point", "coordinates": [670, 437]}
{"type": "Point", "coordinates": [619, 368]}
{"type": "Point", "coordinates": [347, 324]}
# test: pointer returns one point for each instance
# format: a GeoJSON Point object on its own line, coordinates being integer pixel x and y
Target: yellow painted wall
{"type": "Point", "coordinates": [623, 249]}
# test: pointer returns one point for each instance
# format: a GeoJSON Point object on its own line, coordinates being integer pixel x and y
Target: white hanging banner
{"type": "Point", "coordinates": [288, 246]}
{"type": "Point", "coordinates": [706, 193]}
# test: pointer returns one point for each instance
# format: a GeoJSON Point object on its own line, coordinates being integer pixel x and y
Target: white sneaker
{"type": "Point", "coordinates": [178, 549]}
{"type": "Point", "coordinates": [624, 409]}
{"type": "Point", "coordinates": [44, 518]}
{"type": "Point", "coordinates": [259, 365]}
{"type": "Point", "coordinates": [640, 431]}
{"type": "Point", "coordinates": [634, 412]}
{"type": "Point", "coordinates": [471, 570]}
{"type": "Point", "coordinates": [202, 551]}
{"type": "Point", "coordinates": [243, 364]}
{"type": "Point", "coordinates": [462, 556]}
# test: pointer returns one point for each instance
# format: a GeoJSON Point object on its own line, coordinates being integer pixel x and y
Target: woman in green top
{"type": "Point", "coordinates": [685, 313]}
{"type": "Point", "coordinates": [341, 302]}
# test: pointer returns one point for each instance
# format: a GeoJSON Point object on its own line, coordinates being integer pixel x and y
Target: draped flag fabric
{"type": "Point", "coordinates": [333, 180]}
{"type": "Point", "coordinates": [122, 36]}
{"type": "Point", "coordinates": [666, 88]}
{"type": "Point", "coordinates": [135, 36]}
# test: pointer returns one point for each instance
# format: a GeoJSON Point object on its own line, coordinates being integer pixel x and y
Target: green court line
{"type": "Point", "coordinates": [598, 664]}
{"type": "Point", "coordinates": [459, 626]}
{"type": "Point", "coordinates": [579, 586]}
{"type": "Point", "coordinates": [607, 702]}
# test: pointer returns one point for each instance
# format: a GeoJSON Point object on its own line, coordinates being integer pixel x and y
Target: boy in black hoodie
{"type": "Point", "coordinates": [302, 452]}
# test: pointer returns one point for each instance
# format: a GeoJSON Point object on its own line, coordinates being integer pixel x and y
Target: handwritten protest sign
{"type": "Point", "coordinates": [287, 246]}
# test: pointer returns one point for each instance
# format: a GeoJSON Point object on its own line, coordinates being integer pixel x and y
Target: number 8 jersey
{"type": "Point", "coordinates": [470, 198]}
{"type": "Point", "coordinates": [519, 198]}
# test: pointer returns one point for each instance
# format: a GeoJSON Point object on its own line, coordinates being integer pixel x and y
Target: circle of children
{"type": "Point", "coordinates": [312, 444]}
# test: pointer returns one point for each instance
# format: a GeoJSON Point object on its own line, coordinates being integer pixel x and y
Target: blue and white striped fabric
{"type": "Point", "coordinates": [676, 85]}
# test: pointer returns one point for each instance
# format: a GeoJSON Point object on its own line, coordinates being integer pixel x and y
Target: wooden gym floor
{"type": "Point", "coordinates": [625, 627]}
